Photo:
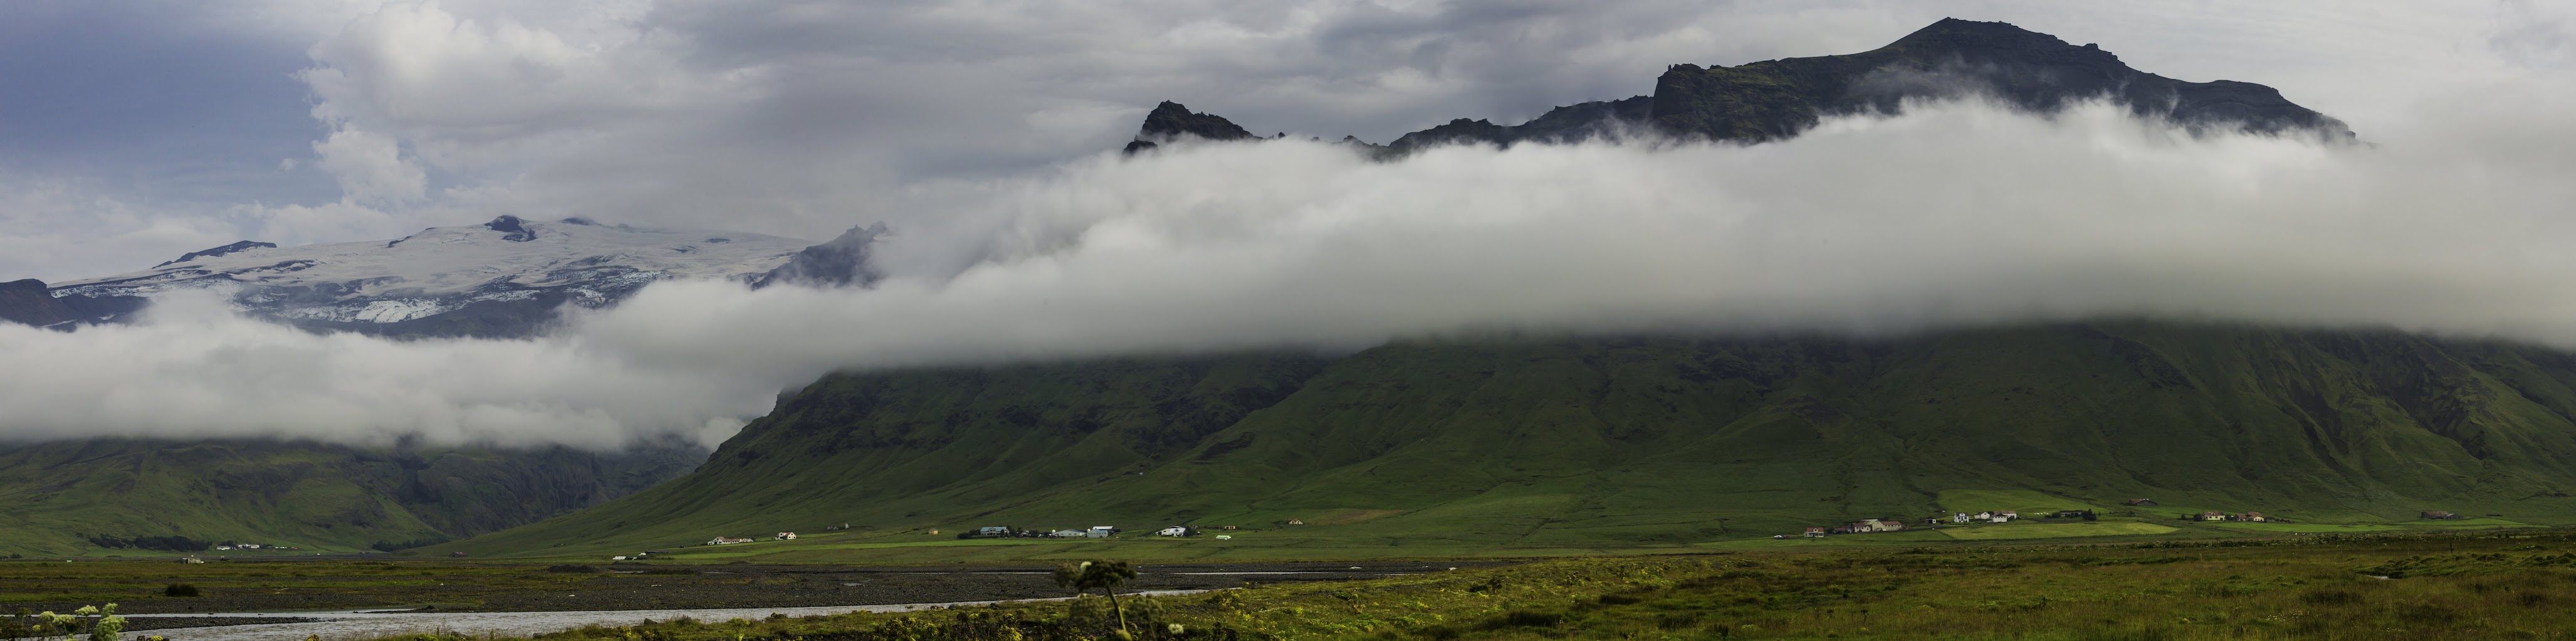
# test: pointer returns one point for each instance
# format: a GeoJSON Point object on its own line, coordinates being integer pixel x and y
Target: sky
{"type": "Point", "coordinates": [983, 133]}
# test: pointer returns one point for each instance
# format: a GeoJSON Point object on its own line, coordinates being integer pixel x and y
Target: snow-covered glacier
{"type": "Point", "coordinates": [502, 278]}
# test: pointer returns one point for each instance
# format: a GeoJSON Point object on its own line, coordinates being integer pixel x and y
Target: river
{"type": "Point", "coordinates": [363, 624]}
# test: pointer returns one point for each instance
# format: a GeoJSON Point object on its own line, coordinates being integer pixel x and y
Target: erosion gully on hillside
{"type": "Point", "coordinates": [292, 586]}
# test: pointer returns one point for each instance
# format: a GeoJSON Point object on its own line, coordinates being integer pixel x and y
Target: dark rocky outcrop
{"type": "Point", "coordinates": [217, 251]}
{"type": "Point", "coordinates": [840, 263]}
{"type": "Point", "coordinates": [2030, 70]}
{"type": "Point", "coordinates": [509, 226]}
{"type": "Point", "coordinates": [1170, 121]}
{"type": "Point", "coordinates": [29, 302]}
{"type": "Point", "coordinates": [1776, 99]}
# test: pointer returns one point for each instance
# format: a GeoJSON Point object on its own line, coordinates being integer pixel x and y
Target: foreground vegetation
{"type": "Point", "coordinates": [2494, 585]}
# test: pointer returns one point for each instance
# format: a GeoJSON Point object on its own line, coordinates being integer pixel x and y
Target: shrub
{"type": "Point", "coordinates": [575, 569]}
{"type": "Point", "coordinates": [179, 590]}
{"type": "Point", "coordinates": [1533, 619]}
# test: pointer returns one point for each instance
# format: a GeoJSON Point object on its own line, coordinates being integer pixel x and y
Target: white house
{"type": "Point", "coordinates": [1961, 517]}
{"type": "Point", "coordinates": [1225, 537]}
{"type": "Point", "coordinates": [1174, 531]}
{"type": "Point", "coordinates": [1100, 531]}
{"type": "Point", "coordinates": [786, 536]}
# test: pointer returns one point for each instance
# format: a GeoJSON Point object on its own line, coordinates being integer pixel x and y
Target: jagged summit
{"type": "Point", "coordinates": [840, 262]}
{"type": "Point", "coordinates": [1775, 99]}
{"type": "Point", "coordinates": [1171, 121]}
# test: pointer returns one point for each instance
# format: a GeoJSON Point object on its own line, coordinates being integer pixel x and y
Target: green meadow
{"type": "Point", "coordinates": [2421, 586]}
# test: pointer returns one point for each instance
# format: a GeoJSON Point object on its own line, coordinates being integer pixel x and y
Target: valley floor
{"type": "Point", "coordinates": [2490, 584]}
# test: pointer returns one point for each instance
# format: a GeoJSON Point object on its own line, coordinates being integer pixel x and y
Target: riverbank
{"type": "Point", "coordinates": [288, 588]}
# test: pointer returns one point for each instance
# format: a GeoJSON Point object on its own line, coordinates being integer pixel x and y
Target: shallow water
{"type": "Point", "coordinates": [362, 624]}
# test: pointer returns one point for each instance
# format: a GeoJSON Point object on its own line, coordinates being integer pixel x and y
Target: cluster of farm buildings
{"type": "Point", "coordinates": [1867, 526]}
{"type": "Point", "coordinates": [250, 546]}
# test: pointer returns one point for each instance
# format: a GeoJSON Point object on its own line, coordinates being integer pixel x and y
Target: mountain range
{"type": "Point", "coordinates": [1547, 441]}
{"type": "Point", "coordinates": [1562, 443]}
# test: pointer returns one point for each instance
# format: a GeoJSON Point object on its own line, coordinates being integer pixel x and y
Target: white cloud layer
{"type": "Point", "coordinates": [1954, 214]}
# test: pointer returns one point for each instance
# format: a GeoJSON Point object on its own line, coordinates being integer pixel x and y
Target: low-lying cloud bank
{"type": "Point", "coordinates": [1955, 214]}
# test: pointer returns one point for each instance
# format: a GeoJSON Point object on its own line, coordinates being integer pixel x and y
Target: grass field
{"type": "Point", "coordinates": [2441, 586]}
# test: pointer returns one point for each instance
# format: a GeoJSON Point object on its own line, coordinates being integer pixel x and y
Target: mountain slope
{"type": "Point", "coordinates": [1647, 439]}
{"type": "Point", "coordinates": [69, 497]}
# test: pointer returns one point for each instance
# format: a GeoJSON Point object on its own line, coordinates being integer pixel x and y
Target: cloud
{"type": "Point", "coordinates": [370, 167]}
{"type": "Point", "coordinates": [196, 370]}
{"type": "Point", "coordinates": [1954, 214]}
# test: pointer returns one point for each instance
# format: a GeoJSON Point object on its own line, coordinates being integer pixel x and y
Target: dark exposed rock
{"type": "Point", "coordinates": [1567, 124]}
{"type": "Point", "coordinates": [507, 224]}
{"type": "Point", "coordinates": [26, 302]}
{"type": "Point", "coordinates": [2030, 70]}
{"type": "Point", "coordinates": [839, 263]}
{"type": "Point", "coordinates": [1171, 120]}
{"type": "Point", "coordinates": [29, 302]}
{"type": "Point", "coordinates": [218, 251]}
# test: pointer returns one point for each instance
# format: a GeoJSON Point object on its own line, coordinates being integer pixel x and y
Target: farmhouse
{"type": "Point", "coordinates": [2213, 516]}
{"type": "Point", "coordinates": [1176, 530]}
{"type": "Point", "coordinates": [1815, 533]}
{"type": "Point", "coordinates": [785, 536]}
{"type": "Point", "coordinates": [1865, 526]}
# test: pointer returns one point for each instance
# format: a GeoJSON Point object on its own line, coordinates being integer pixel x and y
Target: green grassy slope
{"type": "Point", "coordinates": [313, 496]}
{"type": "Point", "coordinates": [1643, 441]}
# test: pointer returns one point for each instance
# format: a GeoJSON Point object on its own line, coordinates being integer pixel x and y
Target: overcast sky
{"type": "Point", "coordinates": [984, 133]}
{"type": "Point", "coordinates": [133, 130]}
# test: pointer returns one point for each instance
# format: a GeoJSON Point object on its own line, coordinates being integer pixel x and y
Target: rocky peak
{"type": "Point", "coordinates": [839, 263]}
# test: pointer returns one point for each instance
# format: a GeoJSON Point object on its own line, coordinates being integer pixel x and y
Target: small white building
{"type": "Point", "coordinates": [1225, 537]}
{"type": "Point", "coordinates": [786, 536]}
{"type": "Point", "coordinates": [1174, 531]}
{"type": "Point", "coordinates": [1100, 531]}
